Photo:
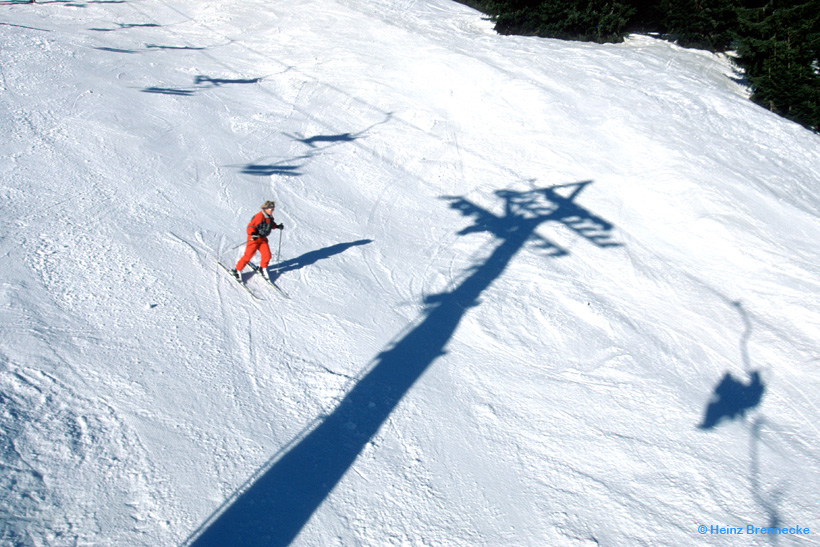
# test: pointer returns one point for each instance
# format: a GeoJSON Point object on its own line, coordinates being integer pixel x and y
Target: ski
{"type": "Point", "coordinates": [247, 289]}
{"type": "Point", "coordinates": [258, 270]}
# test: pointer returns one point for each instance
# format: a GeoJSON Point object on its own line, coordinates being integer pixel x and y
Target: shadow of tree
{"type": "Point", "coordinates": [273, 506]}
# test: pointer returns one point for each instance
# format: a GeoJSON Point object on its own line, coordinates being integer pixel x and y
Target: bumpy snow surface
{"type": "Point", "coordinates": [540, 293]}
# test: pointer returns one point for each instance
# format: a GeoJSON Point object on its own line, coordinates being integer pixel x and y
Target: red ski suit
{"type": "Point", "coordinates": [260, 225]}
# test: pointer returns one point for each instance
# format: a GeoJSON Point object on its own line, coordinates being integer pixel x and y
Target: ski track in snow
{"type": "Point", "coordinates": [143, 395]}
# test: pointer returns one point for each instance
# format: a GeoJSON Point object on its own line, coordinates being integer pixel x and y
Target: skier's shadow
{"type": "Point", "coordinates": [313, 257]}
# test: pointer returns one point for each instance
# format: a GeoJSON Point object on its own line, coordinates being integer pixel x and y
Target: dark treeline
{"type": "Point", "coordinates": [777, 41]}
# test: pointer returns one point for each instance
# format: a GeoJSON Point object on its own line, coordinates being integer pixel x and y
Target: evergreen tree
{"type": "Point", "coordinates": [589, 20]}
{"type": "Point", "coordinates": [706, 24]}
{"type": "Point", "coordinates": [779, 46]}
{"type": "Point", "coordinates": [778, 41]}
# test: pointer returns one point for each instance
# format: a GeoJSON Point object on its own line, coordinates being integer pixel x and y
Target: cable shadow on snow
{"type": "Point", "coordinates": [38, 2]}
{"type": "Point", "coordinates": [287, 168]}
{"type": "Point", "coordinates": [767, 501]}
{"type": "Point", "coordinates": [290, 167]}
{"type": "Point", "coordinates": [270, 169]}
{"type": "Point", "coordinates": [330, 140]}
{"type": "Point", "coordinates": [273, 506]}
{"type": "Point", "coordinates": [201, 83]}
{"type": "Point", "coordinates": [80, 4]}
{"type": "Point", "coordinates": [216, 82]}
{"type": "Point", "coordinates": [175, 48]}
{"type": "Point", "coordinates": [731, 399]}
{"type": "Point", "coordinates": [168, 91]}
{"type": "Point", "coordinates": [125, 26]}
{"type": "Point", "coordinates": [117, 50]}
{"type": "Point", "coordinates": [69, 3]}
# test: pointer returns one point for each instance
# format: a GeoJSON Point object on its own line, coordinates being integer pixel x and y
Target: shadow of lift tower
{"type": "Point", "coordinates": [273, 505]}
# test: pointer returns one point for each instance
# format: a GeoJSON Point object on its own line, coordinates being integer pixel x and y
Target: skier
{"type": "Point", "coordinates": [258, 229]}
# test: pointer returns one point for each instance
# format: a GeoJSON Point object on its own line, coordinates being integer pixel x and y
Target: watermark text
{"type": "Point", "coordinates": [751, 530]}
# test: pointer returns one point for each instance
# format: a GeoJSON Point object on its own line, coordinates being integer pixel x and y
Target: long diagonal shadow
{"type": "Point", "coordinates": [313, 257]}
{"type": "Point", "coordinates": [272, 508]}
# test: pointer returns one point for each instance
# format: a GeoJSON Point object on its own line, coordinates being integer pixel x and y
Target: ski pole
{"type": "Point", "coordinates": [279, 252]}
{"type": "Point", "coordinates": [231, 249]}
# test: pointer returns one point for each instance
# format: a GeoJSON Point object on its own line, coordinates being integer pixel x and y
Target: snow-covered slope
{"type": "Point", "coordinates": [519, 272]}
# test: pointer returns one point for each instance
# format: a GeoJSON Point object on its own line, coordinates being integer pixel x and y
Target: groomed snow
{"type": "Point", "coordinates": [519, 272]}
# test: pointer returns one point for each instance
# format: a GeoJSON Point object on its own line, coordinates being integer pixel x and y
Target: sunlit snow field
{"type": "Point", "coordinates": [541, 292]}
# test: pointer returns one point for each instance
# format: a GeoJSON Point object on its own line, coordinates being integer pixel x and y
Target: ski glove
{"type": "Point", "coordinates": [281, 226]}
{"type": "Point", "coordinates": [254, 237]}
